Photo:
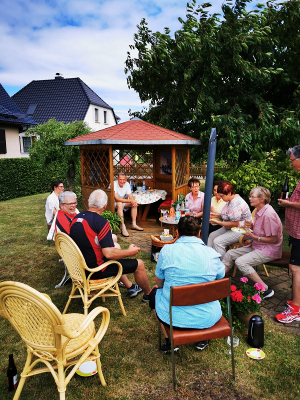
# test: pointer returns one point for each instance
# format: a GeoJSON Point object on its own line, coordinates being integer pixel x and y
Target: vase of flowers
{"type": "Point", "coordinates": [246, 301]}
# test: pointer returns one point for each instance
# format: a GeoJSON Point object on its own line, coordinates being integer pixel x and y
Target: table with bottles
{"type": "Point", "coordinates": [146, 198]}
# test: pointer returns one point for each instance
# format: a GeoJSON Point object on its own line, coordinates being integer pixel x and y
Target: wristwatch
{"type": "Point", "coordinates": [258, 239]}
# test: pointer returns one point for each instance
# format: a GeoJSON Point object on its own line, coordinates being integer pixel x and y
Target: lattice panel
{"type": "Point", "coordinates": [96, 167]}
{"type": "Point", "coordinates": [181, 167]}
{"type": "Point", "coordinates": [136, 164]}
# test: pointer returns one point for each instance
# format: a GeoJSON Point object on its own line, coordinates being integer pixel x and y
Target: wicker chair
{"type": "Point", "coordinates": [75, 262]}
{"type": "Point", "coordinates": [58, 341]}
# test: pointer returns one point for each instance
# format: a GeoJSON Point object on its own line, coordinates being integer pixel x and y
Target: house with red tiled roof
{"type": "Point", "coordinates": [161, 158]}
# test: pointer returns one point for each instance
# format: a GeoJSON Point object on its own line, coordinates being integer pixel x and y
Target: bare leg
{"type": "Point", "coordinates": [133, 215]}
{"type": "Point", "coordinates": [256, 278]}
{"type": "Point", "coordinates": [141, 277]}
{"type": "Point", "coordinates": [120, 211]}
{"type": "Point", "coordinates": [295, 269]}
{"type": "Point", "coordinates": [126, 281]}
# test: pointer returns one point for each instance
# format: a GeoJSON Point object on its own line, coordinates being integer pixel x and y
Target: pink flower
{"type": "Point", "coordinates": [232, 288]}
{"type": "Point", "coordinates": [259, 286]}
{"type": "Point", "coordinates": [244, 279]}
{"type": "Point", "coordinates": [256, 298]}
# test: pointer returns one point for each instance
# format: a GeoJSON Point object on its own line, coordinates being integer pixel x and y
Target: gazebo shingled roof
{"type": "Point", "coordinates": [161, 158]}
{"type": "Point", "coordinates": [134, 132]}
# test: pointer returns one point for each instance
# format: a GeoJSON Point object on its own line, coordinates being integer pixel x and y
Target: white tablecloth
{"type": "Point", "coordinates": [149, 196]}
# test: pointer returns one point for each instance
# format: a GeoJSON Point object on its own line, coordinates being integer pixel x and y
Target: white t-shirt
{"type": "Point", "coordinates": [51, 203]}
{"type": "Point", "coordinates": [122, 192]}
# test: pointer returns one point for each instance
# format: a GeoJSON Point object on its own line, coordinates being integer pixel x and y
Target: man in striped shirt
{"type": "Point", "coordinates": [92, 234]}
{"type": "Point", "coordinates": [292, 228]}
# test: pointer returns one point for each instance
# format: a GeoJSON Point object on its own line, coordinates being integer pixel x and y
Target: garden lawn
{"type": "Point", "coordinates": [132, 365]}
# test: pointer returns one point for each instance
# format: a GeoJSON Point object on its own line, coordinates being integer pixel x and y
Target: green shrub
{"type": "Point", "coordinates": [269, 172]}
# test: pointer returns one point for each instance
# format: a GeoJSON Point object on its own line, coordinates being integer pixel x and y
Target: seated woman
{"type": "Point", "coordinates": [195, 199]}
{"type": "Point", "coordinates": [266, 240]}
{"type": "Point", "coordinates": [216, 206]}
{"type": "Point", "coordinates": [235, 211]}
{"type": "Point", "coordinates": [185, 262]}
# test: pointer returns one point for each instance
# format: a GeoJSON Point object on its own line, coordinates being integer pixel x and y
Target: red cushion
{"type": "Point", "coordinates": [165, 204]}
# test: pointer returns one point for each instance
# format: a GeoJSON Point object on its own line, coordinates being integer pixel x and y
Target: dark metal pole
{"type": "Point", "coordinates": [209, 183]}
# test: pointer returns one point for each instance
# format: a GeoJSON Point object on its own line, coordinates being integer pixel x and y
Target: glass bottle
{"type": "Point", "coordinates": [12, 377]}
{"type": "Point", "coordinates": [285, 189]}
{"type": "Point", "coordinates": [172, 210]}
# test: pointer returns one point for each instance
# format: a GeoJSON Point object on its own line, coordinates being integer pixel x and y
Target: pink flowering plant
{"type": "Point", "coordinates": [246, 299]}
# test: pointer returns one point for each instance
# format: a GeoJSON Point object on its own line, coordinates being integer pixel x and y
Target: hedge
{"type": "Point", "coordinates": [22, 177]}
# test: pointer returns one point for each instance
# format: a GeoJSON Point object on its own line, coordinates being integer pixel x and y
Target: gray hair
{"type": "Point", "coordinates": [295, 151]}
{"type": "Point", "coordinates": [121, 174]}
{"type": "Point", "coordinates": [66, 194]}
{"type": "Point", "coordinates": [262, 193]}
{"type": "Point", "coordinates": [98, 199]}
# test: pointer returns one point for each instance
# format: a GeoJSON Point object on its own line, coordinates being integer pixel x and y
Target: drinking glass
{"type": "Point", "coordinates": [235, 342]}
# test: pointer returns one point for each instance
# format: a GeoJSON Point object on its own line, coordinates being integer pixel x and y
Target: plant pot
{"type": "Point", "coordinates": [244, 319]}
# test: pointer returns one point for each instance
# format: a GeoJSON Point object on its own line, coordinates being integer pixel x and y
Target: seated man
{"type": "Point", "coordinates": [124, 200]}
{"type": "Point", "coordinates": [266, 240]}
{"type": "Point", "coordinates": [52, 204]}
{"type": "Point", "coordinates": [185, 262]}
{"type": "Point", "coordinates": [92, 234]}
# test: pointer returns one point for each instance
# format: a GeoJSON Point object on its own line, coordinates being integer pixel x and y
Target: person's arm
{"type": "Point", "coordinates": [130, 199]}
{"type": "Point", "coordinates": [263, 239]}
{"type": "Point", "coordinates": [113, 253]}
{"type": "Point", "coordinates": [227, 224]}
{"type": "Point", "coordinates": [287, 203]}
{"type": "Point", "coordinates": [159, 282]}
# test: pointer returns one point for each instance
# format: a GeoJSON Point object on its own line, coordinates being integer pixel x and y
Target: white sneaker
{"type": "Point", "coordinates": [124, 230]}
{"type": "Point", "coordinates": [137, 228]}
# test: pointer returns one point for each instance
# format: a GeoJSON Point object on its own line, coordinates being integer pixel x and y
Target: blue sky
{"type": "Point", "coordinates": [88, 39]}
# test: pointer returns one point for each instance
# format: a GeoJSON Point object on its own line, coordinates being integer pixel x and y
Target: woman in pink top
{"type": "Point", "coordinates": [195, 199]}
{"type": "Point", "coordinates": [266, 239]}
{"type": "Point", "coordinates": [235, 211]}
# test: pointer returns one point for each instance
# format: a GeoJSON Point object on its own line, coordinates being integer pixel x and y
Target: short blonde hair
{"type": "Point", "coordinates": [262, 193]}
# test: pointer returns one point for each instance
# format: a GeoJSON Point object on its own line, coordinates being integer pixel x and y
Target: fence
{"type": "Point", "coordinates": [200, 170]}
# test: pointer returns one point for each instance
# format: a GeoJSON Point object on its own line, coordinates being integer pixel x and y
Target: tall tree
{"type": "Point", "coordinates": [50, 150]}
{"type": "Point", "coordinates": [237, 71]}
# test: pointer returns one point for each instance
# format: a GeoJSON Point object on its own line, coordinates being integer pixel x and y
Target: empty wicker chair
{"type": "Point", "coordinates": [75, 262]}
{"type": "Point", "coordinates": [60, 342]}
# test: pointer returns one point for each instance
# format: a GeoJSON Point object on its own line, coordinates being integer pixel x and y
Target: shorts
{"type": "Point", "coordinates": [129, 266]}
{"type": "Point", "coordinates": [295, 251]}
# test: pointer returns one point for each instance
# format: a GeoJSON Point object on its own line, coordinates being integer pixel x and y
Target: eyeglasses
{"type": "Point", "coordinates": [60, 186]}
{"type": "Point", "coordinates": [294, 159]}
{"type": "Point", "coordinates": [70, 204]}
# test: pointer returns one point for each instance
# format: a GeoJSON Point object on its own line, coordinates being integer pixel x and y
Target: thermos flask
{"type": "Point", "coordinates": [256, 332]}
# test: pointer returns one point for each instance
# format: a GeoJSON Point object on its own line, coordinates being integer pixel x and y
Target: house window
{"type": "Point", "coordinates": [104, 116]}
{"type": "Point", "coordinates": [2, 142]}
{"type": "Point", "coordinates": [26, 144]}
{"type": "Point", "coordinates": [96, 115]}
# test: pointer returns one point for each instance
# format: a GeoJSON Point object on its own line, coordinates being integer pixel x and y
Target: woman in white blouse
{"type": "Point", "coordinates": [235, 211]}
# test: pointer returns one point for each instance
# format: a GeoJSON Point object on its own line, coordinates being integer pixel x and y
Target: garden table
{"type": "Point", "coordinates": [146, 198]}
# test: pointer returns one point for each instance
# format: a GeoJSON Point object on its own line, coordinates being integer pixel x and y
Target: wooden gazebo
{"type": "Point", "coordinates": [140, 150]}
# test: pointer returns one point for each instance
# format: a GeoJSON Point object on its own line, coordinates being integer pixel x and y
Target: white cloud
{"type": "Point", "coordinates": [79, 38]}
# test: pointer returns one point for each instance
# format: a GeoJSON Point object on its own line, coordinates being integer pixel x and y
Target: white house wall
{"type": "Point", "coordinates": [12, 142]}
{"type": "Point", "coordinates": [97, 126]}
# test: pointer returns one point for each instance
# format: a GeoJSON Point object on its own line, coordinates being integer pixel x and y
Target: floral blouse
{"type": "Point", "coordinates": [236, 210]}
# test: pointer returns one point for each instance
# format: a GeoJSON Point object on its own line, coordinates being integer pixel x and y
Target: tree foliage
{"type": "Point", "coordinates": [50, 150]}
{"type": "Point", "coordinates": [237, 71]}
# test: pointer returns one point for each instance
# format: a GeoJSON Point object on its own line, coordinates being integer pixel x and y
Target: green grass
{"type": "Point", "coordinates": [132, 365]}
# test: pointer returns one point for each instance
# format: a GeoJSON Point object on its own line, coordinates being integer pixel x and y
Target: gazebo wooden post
{"type": "Point", "coordinates": [173, 152]}
{"type": "Point", "coordinates": [111, 201]}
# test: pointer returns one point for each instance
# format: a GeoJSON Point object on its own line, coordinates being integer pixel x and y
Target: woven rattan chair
{"type": "Point", "coordinates": [75, 262]}
{"type": "Point", "coordinates": [60, 342]}
{"type": "Point", "coordinates": [199, 293]}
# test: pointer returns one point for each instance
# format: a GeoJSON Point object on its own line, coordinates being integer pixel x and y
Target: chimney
{"type": "Point", "coordinates": [58, 76]}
